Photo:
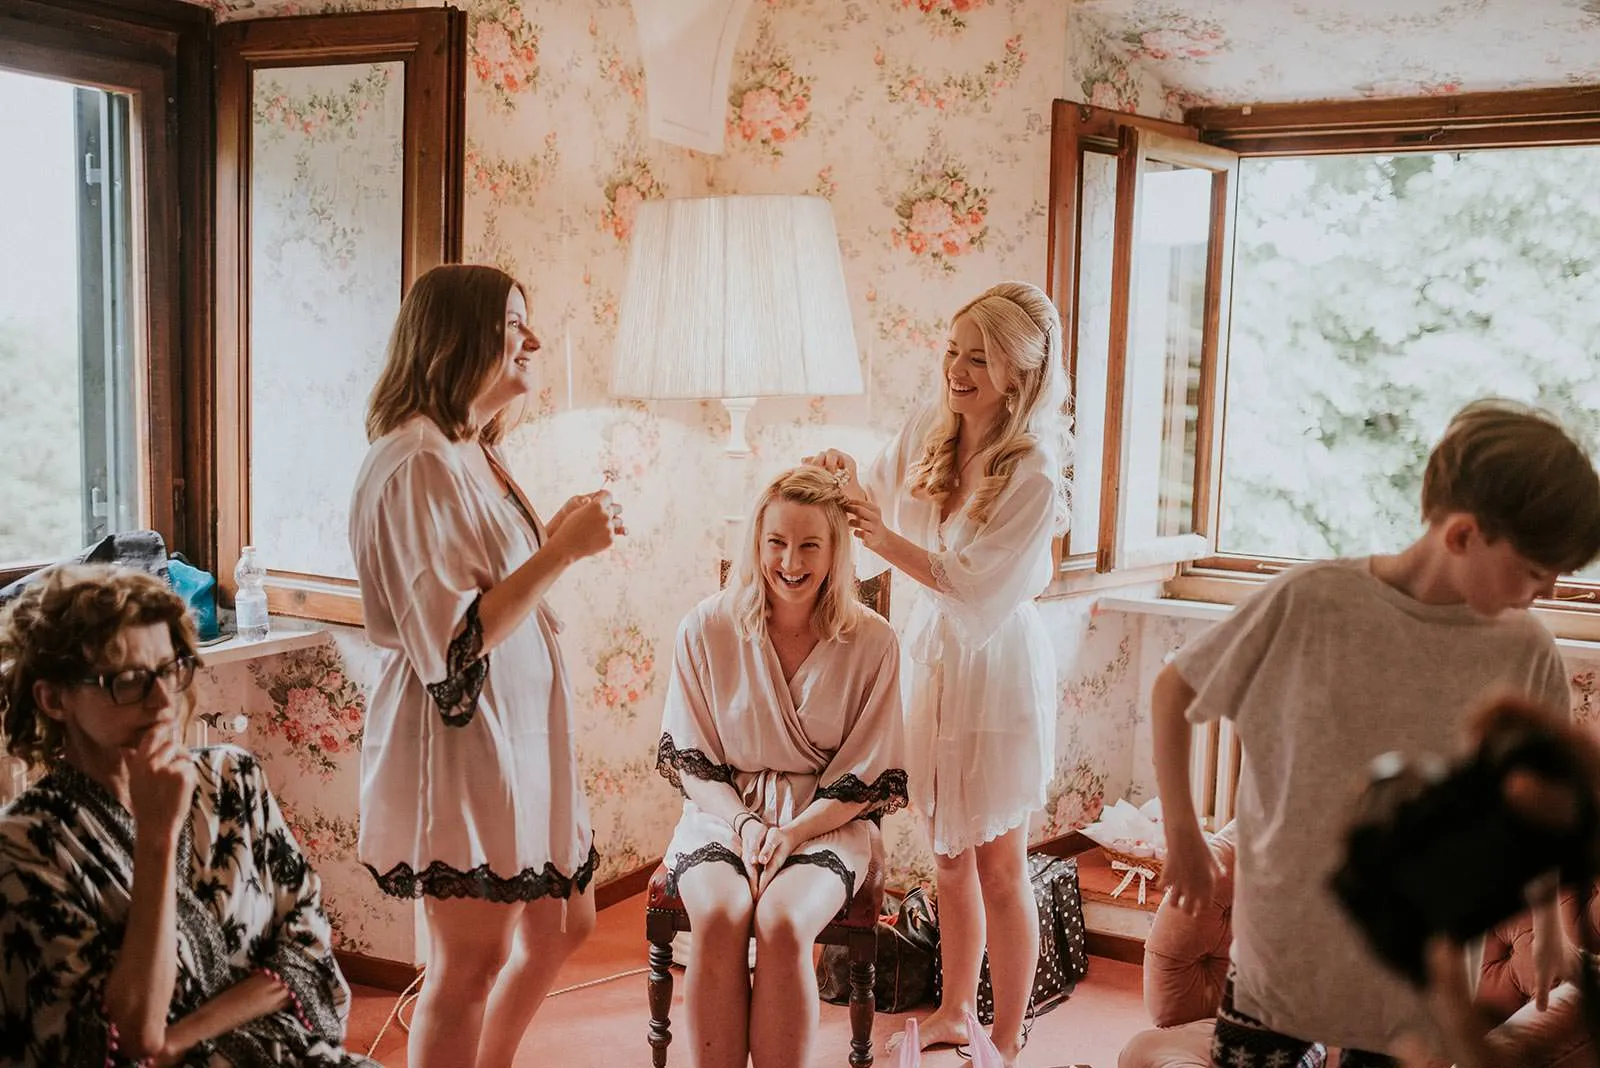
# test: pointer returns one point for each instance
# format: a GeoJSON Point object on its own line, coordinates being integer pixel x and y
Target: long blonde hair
{"type": "Point", "coordinates": [1021, 333]}
{"type": "Point", "coordinates": [837, 610]}
{"type": "Point", "coordinates": [447, 342]}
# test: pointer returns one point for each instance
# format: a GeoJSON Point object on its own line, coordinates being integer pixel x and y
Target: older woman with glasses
{"type": "Point", "coordinates": [154, 907]}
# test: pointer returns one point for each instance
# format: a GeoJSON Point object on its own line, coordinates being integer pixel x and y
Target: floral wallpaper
{"type": "Point", "coordinates": [926, 124]}
{"type": "Point", "coordinates": [1262, 51]}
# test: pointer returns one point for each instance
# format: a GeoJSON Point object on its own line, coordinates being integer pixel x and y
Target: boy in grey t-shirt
{"type": "Point", "coordinates": [1331, 665]}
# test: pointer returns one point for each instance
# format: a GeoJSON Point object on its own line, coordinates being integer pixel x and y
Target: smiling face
{"type": "Point", "coordinates": [975, 381]}
{"type": "Point", "coordinates": [796, 551]}
{"type": "Point", "coordinates": [514, 377]}
{"type": "Point", "coordinates": [98, 728]}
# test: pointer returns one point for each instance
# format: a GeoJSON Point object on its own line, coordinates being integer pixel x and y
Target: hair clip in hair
{"type": "Point", "coordinates": [841, 479]}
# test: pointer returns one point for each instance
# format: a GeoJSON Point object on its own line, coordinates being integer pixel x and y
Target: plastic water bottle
{"type": "Point", "coordinates": [250, 596]}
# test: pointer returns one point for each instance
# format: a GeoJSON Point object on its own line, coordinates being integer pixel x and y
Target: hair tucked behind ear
{"type": "Point", "coordinates": [837, 609]}
{"type": "Point", "coordinates": [1021, 334]}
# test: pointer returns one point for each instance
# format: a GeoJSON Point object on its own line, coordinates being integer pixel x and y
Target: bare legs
{"type": "Point", "coordinates": [1013, 930]}
{"type": "Point", "coordinates": [961, 938]}
{"type": "Point", "coordinates": [540, 949]}
{"type": "Point", "coordinates": [985, 898]}
{"type": "Point", "coordinates": [795, 908]}
{"type": "Point", "coordinates": [489, 967]}
{"type": "Point", "coordinates": [717, 985]}
{"type": "Point", "coordinates": [768, 1021]}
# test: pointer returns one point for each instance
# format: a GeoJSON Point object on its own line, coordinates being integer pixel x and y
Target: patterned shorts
{"type": "Point", "coordinates": [1242, 1041]}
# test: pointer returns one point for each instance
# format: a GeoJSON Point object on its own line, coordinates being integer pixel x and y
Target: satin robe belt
{"type": "Point", "coordinates": [776, 796]}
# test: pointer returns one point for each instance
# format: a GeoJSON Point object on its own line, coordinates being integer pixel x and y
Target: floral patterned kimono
{"type": "Point", "coordinates": [247, 902]}
{"type": "Point", "coordinates": [832, 731]}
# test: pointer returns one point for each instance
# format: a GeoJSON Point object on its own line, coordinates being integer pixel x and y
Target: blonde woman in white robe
{"type": "Point", "coordinates": [783, 729]}
{"type": "Point", "coordinates": [965, 501]}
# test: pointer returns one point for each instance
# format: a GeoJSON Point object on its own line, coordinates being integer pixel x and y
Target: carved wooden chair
{"type": "Point", "coordinates": [855, 927]}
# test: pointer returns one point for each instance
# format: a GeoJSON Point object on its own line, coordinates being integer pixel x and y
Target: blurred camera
{"type": "Point", "coordinates": [1436, 847]}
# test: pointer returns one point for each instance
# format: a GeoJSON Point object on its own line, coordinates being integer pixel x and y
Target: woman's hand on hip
{"type": "Point", "coordinates": [161, 780]}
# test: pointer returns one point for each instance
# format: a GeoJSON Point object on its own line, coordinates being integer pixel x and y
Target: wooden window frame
{"type": "Point", "coordinates": [431, 43]}
{"type": "Point", "coordinates": [1076, 130]}
{"type": "Point", "coordinates": [1503, 120]}
{"type": "Point", "coordinates": [154, 51]}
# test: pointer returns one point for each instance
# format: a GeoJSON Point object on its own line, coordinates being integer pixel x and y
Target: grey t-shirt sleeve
{"type": "Point", "coordinates": [1220, 665]}
{"type": "Point", "coordinates": [1555, 688]}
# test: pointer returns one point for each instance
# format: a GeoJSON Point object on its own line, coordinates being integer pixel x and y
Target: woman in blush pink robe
{"type": "Point", "coordinates": [782, 727]}
{"type": "Point", "coordinates": [470, 797]}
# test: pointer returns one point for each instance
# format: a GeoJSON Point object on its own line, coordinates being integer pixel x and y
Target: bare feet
{"type": "Point", "coordinates": [941, 1029]}
{"type": "Point", "coordinates": [1009, 1051]}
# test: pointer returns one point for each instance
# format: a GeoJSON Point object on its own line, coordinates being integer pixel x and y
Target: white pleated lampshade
{"type": "Point", "coordinates": [735, 297]}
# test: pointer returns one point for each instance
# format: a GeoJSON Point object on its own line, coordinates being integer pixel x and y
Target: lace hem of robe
{"type": "Point", "coordinates": [711, 851]}
{"type": "Point", "coordinates": [827, 858]}
{"type": "Point", "coordinates": [440, 880]}
{"type": "Point", "coordinates": [941, 577]}
{"type": "Point", "coordinates": [466, 668]}
{"type": "Point", "coordinates": [889, 792]}
{"type": "Point", "coordinates": [672, 761]}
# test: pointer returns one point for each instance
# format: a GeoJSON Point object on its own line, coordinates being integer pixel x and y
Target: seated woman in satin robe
{"type": "Point", "coordinates": [154, 907]}
{"type": "Point", "coordinates": [782, 727]}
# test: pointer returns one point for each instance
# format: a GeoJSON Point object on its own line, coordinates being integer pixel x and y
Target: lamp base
{"type": "Point", "coordinates": [738, 412]}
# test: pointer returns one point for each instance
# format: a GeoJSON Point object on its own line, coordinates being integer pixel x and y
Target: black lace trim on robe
{"type": "Point", "coordinates": [827, 858]}
{"type": "Point", "coordinates": [888, 793]}
{"type": "Point", "coordinates": [671, 761]}
{"type": "Point", "coordinates": [466, 668]}
{"type": "Point", "coordinates": [440, 880]}
{"type": "Point", "coordinates": [708, 852]}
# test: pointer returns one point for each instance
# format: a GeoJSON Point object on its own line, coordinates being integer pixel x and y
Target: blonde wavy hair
{"type": "Point", "coordinates": [61, 629]}
{"type": "Point", "coordinates": [1021, 333]}
{"type": "Point", "coordinates": [837, 609]}
{"type": "Point", "coordinates": [447, 342]}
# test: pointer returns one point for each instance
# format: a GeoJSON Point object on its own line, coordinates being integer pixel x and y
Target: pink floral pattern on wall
{"type": "Point", "coordinates": [503, 49]}
{"type": "Point", "coordinates": [626, 671]}
{"type": "Point", "coordinates": [1265, 51]}
{"type": "Point", "coordinates": [906, 83]}
{"type": "Point", "coordinates": [632, 184]}
{"type": "Point", "coordinates": [943, 214]}
{"type": "Point", "coordinates": [769, 105]}
{"type": "Point", "coordinates": [945, 16]}
{"type": "Point", "coordinates": [315, 708]}
{"type": "Point", "coordinates": [1169, 33]}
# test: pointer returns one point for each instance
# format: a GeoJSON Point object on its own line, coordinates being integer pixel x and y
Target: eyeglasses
{"type": "Point", "coordinates": [134, 685]}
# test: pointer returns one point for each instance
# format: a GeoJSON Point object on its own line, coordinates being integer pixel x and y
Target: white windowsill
{"type": "Point", "coordinates": [286, 634]}
{"type": "Point", "coordinates": [1212, 611]}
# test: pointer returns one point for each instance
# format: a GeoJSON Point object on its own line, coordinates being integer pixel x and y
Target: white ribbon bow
{"type": "Point", "coordinates": [1131, 872]}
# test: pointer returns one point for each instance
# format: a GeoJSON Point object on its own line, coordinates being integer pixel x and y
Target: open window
{"type": "Point", "coordinates": [1370, 267]}
{"type": "Point", "coordinates": [104, 263]}
{"type": "Point", "coordinates": [1141, 230]}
